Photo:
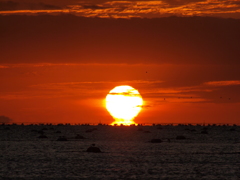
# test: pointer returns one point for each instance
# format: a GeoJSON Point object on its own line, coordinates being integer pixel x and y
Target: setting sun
{"type": "Point", "coordinates": [124, 103]}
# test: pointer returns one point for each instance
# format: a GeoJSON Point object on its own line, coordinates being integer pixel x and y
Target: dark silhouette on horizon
{"type": "Point", "coordinates": [94, 149]}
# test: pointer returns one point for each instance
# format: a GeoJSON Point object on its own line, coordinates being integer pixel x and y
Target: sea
{"type": "Point", "coordinates": [162, 152]}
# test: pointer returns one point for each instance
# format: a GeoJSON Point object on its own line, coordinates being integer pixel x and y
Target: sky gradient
{"type": "Point", "coordinates": [59, 60]}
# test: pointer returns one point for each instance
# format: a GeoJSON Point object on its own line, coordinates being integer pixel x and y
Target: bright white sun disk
{"type": "Point", "coordinates": [124, 103]}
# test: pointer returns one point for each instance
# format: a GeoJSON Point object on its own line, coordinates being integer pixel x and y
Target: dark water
{"type": "Point", "coordinates": [126, 152]}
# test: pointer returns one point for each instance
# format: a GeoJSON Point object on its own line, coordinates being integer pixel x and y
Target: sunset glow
{"type": "Point", "coordinates": [128, 9]}
{"type": "Point", "coordinates": [59, 60]}
{"type": "Point", "coordinates": [124, 103]}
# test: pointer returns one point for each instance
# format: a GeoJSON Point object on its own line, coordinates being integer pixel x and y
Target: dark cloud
{"type": "Point", "coordinates": [181, 2]}
{"type": "Point", "coordinates": [71, 39]}
{"type": "Point", "coordinates": [49, 6]}
{"type": "Point", "coordinates": [92, 6]}
{"type": "Point", "coordinates": [225, 94]}
{"type": "Point", "coordinates": [13, 5]}
{"type": "Point", "coordinates": [125, 9]}
{"type": "Point", "coordinates": [4, 119]}
{"type": "Point", "coordinates": [8, 5]}
{"type": "Point", "coordinates": [125, 94]}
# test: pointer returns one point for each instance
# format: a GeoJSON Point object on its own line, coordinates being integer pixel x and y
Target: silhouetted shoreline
{"type": "Point", "coordinates": [100, 124]}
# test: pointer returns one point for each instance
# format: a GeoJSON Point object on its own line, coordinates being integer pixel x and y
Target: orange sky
{"type": "Point", "coordinates": [124, 9]}
{"type": "Point", "coordinates": [59, 67]}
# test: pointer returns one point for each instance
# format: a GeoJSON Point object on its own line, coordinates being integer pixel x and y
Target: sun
{"type": "Point", "coordinates": [124, 103]}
